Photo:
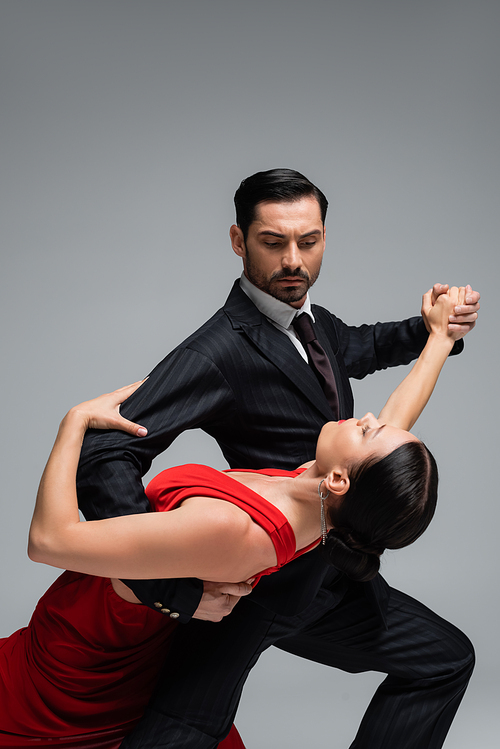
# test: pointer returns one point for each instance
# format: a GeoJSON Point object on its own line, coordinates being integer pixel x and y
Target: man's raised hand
{"type": "Point", "coordinates": [464, 315]}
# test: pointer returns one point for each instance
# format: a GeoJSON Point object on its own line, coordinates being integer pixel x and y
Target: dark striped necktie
{"type": "Point", "coordinates": [318, 360]}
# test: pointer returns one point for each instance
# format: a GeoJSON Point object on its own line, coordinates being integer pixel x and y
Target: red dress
{"type": "Point", "coordinates": [83, 670]}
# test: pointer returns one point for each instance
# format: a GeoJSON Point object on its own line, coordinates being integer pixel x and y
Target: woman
{"type": "Point", "coordinates": [85, 667]}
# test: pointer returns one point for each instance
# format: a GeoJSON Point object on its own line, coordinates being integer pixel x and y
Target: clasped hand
{"type": "Point", "coordinates": [462, 313]}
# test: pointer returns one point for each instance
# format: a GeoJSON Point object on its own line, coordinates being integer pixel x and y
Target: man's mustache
{"type": "Point", "coordinates": [298, 273]}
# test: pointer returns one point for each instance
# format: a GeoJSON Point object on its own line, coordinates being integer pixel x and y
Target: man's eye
{"type": "Point", "coordinates": [307, 245]}
{"type": "Point", "coordinates": [271, 244]}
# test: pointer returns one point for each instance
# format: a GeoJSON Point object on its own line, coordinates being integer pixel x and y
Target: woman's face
{"type": "Point", "coordinates": [344, 443]}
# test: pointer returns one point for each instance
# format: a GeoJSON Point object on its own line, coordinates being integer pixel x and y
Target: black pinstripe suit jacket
{"type": "Point", "coordinates": [243, 382]}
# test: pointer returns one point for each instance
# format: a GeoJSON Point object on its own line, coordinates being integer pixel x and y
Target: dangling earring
{"type": "Point", "coordinates": [322, 497]}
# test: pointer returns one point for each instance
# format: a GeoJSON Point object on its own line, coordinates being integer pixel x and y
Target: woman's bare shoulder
{"type": "Point", "coordinates": [231, 532]}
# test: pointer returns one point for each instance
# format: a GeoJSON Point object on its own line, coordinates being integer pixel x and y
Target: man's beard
{"type": "Point", "coordinates": [273, 288]}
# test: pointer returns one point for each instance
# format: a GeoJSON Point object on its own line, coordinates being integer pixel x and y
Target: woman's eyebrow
{"type": "Point", "coordinates": [377, 432]}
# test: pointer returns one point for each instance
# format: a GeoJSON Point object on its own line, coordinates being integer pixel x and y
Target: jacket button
{"type": "Point", "coordinates": [174, 615]}
{"type": "Point", "coordinates": [165, 611]}
{"type": "Point", "coordinates": [158, 604]}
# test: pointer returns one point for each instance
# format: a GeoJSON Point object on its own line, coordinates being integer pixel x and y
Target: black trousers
{"type": "Point", "coordinates": [428, 663]}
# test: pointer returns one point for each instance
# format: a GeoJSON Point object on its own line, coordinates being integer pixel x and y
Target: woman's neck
{"type": "Point", "coordinates": [296, 497]}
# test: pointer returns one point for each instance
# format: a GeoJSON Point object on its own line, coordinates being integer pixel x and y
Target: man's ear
{"type": "Point", "coordinates": [237, 241]}
{"type": "Point", "coordinates": [337, 482]}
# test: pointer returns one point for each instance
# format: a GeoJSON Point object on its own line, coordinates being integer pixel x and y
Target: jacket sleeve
{"type": "Point", "coordinates": [368, 348]}
{"type": "Point", "coordinates": [185, 391]}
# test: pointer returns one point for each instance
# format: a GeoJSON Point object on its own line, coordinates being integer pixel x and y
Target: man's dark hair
{"type": "Point", "coordinates": [280, 185]}
{"type": "Point", "coordinates": [389, 504]}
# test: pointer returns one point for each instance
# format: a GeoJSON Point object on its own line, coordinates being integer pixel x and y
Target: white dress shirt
{"type": "Point", "coordinates": [280, 314]}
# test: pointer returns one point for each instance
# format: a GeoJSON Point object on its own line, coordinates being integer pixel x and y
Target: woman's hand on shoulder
{"type": "Point", "coordinates": [104, 412]}
{"type": "Point", "coordinates": [437, 311]}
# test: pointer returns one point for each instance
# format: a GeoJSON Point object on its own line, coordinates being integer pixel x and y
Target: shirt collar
{"type": "Point", "coordinates": [279, 312]}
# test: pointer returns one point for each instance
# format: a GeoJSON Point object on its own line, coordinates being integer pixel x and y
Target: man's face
{"type": "Point", "coordinates": [284, 248]}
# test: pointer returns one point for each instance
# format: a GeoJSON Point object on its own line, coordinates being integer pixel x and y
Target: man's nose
{"type": "Point", "coordinates": [291, 258]}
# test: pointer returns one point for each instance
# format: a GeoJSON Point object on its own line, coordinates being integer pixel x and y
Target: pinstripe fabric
{"type": "Point", "coordinates": [428, 662]}
{"type": "Point", "coordinates": [243, 382]}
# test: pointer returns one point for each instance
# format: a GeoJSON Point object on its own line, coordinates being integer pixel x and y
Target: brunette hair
{"type": "Point", "coordinates": [280, 185]}
{"type": "Point", "coordinates": [389, 504]}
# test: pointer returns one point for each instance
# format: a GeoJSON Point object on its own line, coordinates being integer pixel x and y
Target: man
{"type": "Point", "coordinates": [263, 389]}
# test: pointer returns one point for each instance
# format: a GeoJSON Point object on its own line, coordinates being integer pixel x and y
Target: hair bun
{"type": "Point", "coordinates": [355, 542]}
{"type": "Point", "coordinates": [345, 554]}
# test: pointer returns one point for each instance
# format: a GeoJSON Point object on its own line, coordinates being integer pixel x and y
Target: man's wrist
{"type": "Point", "coordinates": [458, 347]}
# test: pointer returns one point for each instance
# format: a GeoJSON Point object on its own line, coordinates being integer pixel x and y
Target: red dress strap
{"type": "Point", "coordinates": [167, 490]}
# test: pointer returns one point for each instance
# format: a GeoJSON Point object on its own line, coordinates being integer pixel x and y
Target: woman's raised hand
{"type": "Point", "coordinates": [104, 412]}
{"type": "Point", "coordinates": [437, 314]}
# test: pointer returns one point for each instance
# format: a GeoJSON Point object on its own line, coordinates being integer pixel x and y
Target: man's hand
{"type": "Point", "coordinates": [437, 311]}
{"type": "Point", "coordinates": [465, 315]}
{"type": "Point", "coordinates": [219, 599]}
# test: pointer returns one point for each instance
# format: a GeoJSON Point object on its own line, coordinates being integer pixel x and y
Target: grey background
{"type": "Point", "coordinates": [127, 126]}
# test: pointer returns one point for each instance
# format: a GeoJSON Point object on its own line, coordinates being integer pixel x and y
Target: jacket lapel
{"type": "Point", "coordinates": [275, 346]}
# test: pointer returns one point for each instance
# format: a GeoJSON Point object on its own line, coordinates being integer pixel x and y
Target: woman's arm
{"type": "Point", "coordinates": [410, 397]}
{"type": "Point", "coordinates": [56, 503]}
{"type": "Point", "coordinates": [205, 538]}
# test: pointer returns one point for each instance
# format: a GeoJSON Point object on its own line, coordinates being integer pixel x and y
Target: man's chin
{"type": "Point", "coordinates": [290, 294]}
